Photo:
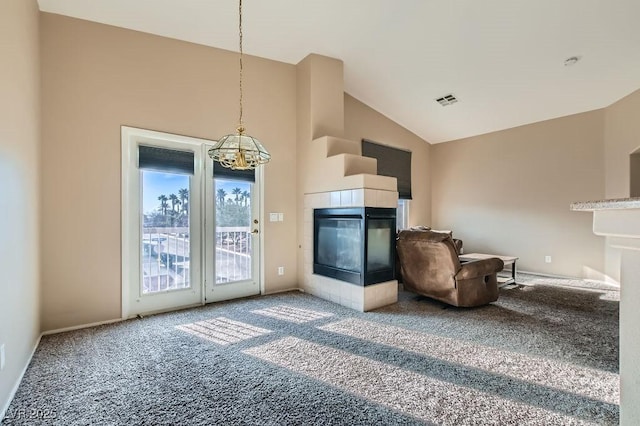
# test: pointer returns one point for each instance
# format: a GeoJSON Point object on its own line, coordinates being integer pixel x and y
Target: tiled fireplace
{"type": "Point", "coordinates": [335, 175]}
{"type": "Point", "coordinates": [350, 294]}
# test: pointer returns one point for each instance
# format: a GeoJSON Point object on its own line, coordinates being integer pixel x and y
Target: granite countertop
{"type": "Point", "coordinates": [613, 204]}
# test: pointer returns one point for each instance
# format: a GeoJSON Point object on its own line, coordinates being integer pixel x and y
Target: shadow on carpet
{"type": "Point", "coordinates": [539, 355]}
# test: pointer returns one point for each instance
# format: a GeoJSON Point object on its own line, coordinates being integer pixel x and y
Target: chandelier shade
{"type": "Point", "coordinates": [239, 151]}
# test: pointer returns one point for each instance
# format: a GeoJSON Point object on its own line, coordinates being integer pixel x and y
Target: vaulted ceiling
{"type": "Point", "coordinates": [503, 59]}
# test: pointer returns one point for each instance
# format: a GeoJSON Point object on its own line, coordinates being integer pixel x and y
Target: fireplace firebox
{"type": "Point", "coordinates": [355, 245]}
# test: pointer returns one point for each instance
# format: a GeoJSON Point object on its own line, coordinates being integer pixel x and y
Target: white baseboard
{"type": "Point", "coordinates": [81, 326]}
{"type": "Point", "coordinates": [285, 290]}
{"type": "Point", "coordinates": [544, 274]}
{"type": "Point", "coordinates": [4, 409]}
{"type": "Point", "coordinates": [604, 284]}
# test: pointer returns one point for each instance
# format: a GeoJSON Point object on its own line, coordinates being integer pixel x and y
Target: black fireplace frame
{"type": "Point", "coordinates": [363, 214]}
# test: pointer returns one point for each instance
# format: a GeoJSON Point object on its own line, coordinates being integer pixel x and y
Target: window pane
{"type": "Point", "coordinates": [402, 215]}
{"type": "Point", "coordinates": [165, 232]}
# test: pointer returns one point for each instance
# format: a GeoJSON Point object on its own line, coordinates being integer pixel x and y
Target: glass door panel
{"type": "Point", "coordinates": [165, 244]}
{"type": "Point", "coordinates": [233, 238]}
{"type": "Point", "coordinates": [168, 272]}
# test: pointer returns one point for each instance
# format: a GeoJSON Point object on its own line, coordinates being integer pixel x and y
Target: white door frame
{"type": "Point", "coordinates": [130, 227]}
{"type": "Point", "coordinates": [130, 136]}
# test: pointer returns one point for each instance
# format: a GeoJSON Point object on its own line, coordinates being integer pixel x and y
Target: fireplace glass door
{"type": "Point", "coordinates": [339, 243]}
{"type": "Point", "coordinates": [356, 245]}
{"type": "Point", "coordinates": [378, 251]}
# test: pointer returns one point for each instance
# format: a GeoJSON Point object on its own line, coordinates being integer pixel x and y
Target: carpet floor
{"type": "Point", "coordinates": [543, 354]}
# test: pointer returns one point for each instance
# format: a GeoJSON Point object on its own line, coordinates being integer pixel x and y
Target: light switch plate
{"type": "Point", "coordinates": [280, 217]}
{"type": "Point", "coordinates": [273, 217]}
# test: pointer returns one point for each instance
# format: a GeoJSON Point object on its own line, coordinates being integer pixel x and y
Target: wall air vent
{"type": "Point", "coordinates": [447, 100]}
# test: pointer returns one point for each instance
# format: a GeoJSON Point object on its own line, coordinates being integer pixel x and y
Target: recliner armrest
{"type": "Point", "coordinates": [478, 268]}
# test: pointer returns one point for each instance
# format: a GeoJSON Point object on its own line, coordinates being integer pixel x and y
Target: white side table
{"type": "Point", "coordinates": [508, 260]}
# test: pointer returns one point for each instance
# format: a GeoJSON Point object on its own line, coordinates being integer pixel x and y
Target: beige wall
{"type": "Point", "coordinates": [634, 179]}
{"type": "Point", "coordinates": [19, 151]}
{"type": "Point", "coordinates": [621, 138]}
{"type": "Point", "coordinates": [509, 193]}
{"type": "Point", "coordinates": [96, 78]}
{"type": "Point", "coordinates": [361, 121]}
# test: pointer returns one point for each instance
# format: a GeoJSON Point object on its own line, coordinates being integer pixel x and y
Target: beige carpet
{"type": "Point", "coordinates": [542, 354]}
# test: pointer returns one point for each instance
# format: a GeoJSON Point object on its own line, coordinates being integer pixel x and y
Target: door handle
{"type": "Point", "coordinates": [255, 232]}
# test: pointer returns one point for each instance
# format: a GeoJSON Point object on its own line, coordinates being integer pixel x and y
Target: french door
{"type": "Point", "coordinates": [232, 233]}
{"type": "Point", "coordinates": [187, 237]}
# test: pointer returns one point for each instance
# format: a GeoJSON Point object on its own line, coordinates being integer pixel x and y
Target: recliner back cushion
{"type": "Point", "coordinates": [429, 262]}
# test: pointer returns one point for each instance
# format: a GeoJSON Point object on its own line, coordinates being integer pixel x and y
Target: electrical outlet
{"type": "Point", "coordinates": [547, 259]}
{"type": "Point", "coordinates": [2, 357]}
{"type": "Point", "coordinates": [280, 270]}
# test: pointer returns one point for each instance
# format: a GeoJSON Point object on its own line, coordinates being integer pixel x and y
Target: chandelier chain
{"type": "Point", "coordinates": [240, 32]}
{"type": "Point", "coordinates": [239, 151]}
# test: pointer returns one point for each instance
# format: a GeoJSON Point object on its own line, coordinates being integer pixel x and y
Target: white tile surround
{"type": "Point", "coordinates": [346, 294]}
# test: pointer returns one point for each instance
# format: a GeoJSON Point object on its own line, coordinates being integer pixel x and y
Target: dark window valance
{"type": "Point", "coordinates": [165, 160]}
{"type": "Point", "coordinates": [222, 172]}
{"type": "Point", "coordinates": [392, 162]}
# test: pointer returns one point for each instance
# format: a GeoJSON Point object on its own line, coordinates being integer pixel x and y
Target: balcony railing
{"type": "Point", "coordinates": [166, 256]}
{"type": "Point", "coordinates": [233, 254]}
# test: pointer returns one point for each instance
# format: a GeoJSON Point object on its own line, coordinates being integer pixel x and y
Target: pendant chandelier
{"type": "Point", "coordinates": [239, 151]}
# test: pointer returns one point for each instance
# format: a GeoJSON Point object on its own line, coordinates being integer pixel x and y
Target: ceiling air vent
{"type": "Point", "coordinates": [447, 100]}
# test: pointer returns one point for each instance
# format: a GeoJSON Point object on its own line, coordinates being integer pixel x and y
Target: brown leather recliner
{"type": "Point", "coordinates": [456, 242]}
{"type": "Point", "coordinates": [430, 266]}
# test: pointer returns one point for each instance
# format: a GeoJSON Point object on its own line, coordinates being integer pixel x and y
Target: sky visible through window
{"type": "Point", "coordinates": [160, 183]}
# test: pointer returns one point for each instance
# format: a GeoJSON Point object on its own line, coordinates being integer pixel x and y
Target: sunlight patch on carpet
{"type": "Point", "coordinates": [223, 331]}
{"type": "Point", "coordinates": [589, 382]}
{"type": "Point", "coordinates": [291, 314]}
{"type": "Point", "coordinates": [405, 391]}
